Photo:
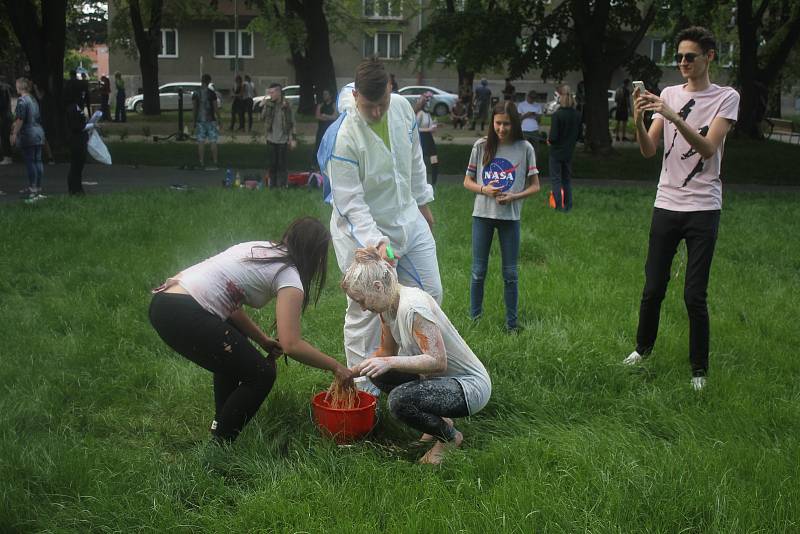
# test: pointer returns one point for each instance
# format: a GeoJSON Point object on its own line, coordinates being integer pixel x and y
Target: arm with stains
{"type": "Point", "coordinates": [432, 361]}
{"type": "Point", "coordinates": [288, 308]}
{"type": "Point", "coordinates": [250, 329]}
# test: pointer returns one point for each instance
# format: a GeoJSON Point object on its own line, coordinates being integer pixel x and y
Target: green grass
{"type": "Point", "coordinates": [103, 428]}
{"type": "Point", "coordinates": [745, 161]}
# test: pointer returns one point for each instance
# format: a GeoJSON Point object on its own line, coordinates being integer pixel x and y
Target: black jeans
{"type": "Point", "coordinates": [77, 159]}
{"type": "Point", "coordinates": [243, 377]}
{"type": "Point", "coordinates": [699, 230]}
{"type": "Point", "coordinates": [421, 404]}
{"type": "Point", "coordinates": [278, 173]}
{"type": "Point", "coordinates": [248, 108]}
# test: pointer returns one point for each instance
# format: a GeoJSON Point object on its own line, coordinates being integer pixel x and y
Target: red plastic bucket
{"type": "Point", "coordinates": [344, 425]}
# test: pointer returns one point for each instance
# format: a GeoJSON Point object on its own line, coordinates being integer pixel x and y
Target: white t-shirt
{"type": "Point", "coordinates": [529, 125]}
{"type": "Point", "coordinates": [462, 364]}
{"type": "Point", "coordinates": [222, 283]}
{"type": "Point", "coordinates": [509, 169]}
{"type": "Point", "coordinates": [689, 182]}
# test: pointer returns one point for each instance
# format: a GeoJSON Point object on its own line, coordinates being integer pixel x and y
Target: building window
{"type": "Point", "coordinates": [658, 52]}
{"type": "Point", "coordinates": [385, 45]}
{"type": "Point", "coordinates": [383, 9]}
{"type": "Point", "coordinates": [225, 44]}
{"type": "Point", "coordinates": [169, 43]}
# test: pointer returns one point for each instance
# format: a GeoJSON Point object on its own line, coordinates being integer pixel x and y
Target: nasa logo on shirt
{"type": "Point", "coordinates": [500, 173]}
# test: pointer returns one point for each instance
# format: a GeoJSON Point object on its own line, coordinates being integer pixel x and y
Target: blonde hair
{"type": "Point", "coordinates": [24, 84]}
{"type": "Point", "coordinates": [565, 97]}
{"type": "Point", "coordinates": [368, 267]}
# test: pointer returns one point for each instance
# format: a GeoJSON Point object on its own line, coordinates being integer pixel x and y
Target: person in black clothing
{"type": "Point", "coordinates": [77, 139]}
{"type": "Point", "coordinates": [326, 114]}
{"type": "Point", "coordinates": [509, 91]}
{"type": "Point", "coordinates": [6, 119]}
{"type": "Point", "coordinates": [105, 95]}
{"type": "Point", "coordinates": [622, 97]}
{"type": "Point", "coordinates": [237, 106]}
{"type": "Point", "coordinates": [564, 130]}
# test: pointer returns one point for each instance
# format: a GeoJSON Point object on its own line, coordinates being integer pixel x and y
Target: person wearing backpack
{"type": "Point", "coordinates": [205, 105]}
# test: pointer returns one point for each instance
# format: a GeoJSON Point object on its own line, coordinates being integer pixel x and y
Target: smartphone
{"type": "Point", "coordinates": [640, 86]}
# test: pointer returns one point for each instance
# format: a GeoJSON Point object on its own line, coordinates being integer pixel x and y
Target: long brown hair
{"type": "Point", "coordinates": [305, 245]}
{"type": "Point", "coordinates": [502, 108]}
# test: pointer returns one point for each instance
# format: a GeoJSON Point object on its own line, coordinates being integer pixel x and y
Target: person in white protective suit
{"type": "Point", "coordinates": [373, 160]}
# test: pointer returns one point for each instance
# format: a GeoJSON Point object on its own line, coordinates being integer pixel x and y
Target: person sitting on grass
{"type": "Point", "coordinates": [198, 313]}
{"type": "Point", "coordinates": [427, 369]}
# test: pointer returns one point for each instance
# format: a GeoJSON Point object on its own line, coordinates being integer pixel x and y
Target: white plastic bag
{"type": "Point", "coordinates": [98, 149]}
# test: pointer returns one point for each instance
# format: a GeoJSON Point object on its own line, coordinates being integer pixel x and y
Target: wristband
{"type": "Point", "coordinates": [389, 252]}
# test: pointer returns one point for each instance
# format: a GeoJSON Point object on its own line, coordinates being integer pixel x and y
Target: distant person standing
{"type": "Point", "coordinates": [509, 91]}
{"type": "Point", "coordinates": [119, 109]}
{"type": "Point", "coordinates": [326, 114]}
{"type": "Point", "coordinates": [105, 95]}
{"type": "Point", "coordinates": [580, 100]}
{"type": "Point", "coordinates": [205, 105]}
{"type": "Point", "coordinates": [622, 98]}
{"type": "Point", "coordinates": [458, 115]}
{"type": "Point", "coordinates": [395, 87]}
{"type": "Point", "coordinates": [529, 112]}
{"type": "Point", "coordinates": [279, 128]}
{"type": "Point", "coordinates": [237, 106]}
{"type": "Point", "coordinates": [249, 95]}
{"type": "Point", "coordinates": [693, 120]}
{"type": "Point", "coordinates": [86, 97]}
{"type": "Point", "coordinates": [77, 138]}
{"type": "Point", "coordinates": [28, 136]}
{"type": "Point", "coordinates": [483, 96]}
{"type": "Point", "coordinates": [566, 124]}
{"type": "Point", "coordinates": [5, 121]}
{"type": "Point", "coordinates": [427, 126]}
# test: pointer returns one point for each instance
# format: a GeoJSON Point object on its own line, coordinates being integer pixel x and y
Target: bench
{"type": "Point", "coordinates": [783, 130]}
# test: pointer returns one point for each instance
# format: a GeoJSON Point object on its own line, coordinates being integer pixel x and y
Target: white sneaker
{"type": "Point", "coordinates": [6, 161]}
{"type": "Point", "coordinates": [698, 382]}
{"type": "Point", "coordinates": [633, 358]}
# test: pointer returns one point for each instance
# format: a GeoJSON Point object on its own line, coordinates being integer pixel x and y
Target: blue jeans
{"type": "Point", "coordinates": [482, 234]}
{"type": "Point", "coordinates": [561, 180]}
{"type": "Point", "coordinates": [33, 163]}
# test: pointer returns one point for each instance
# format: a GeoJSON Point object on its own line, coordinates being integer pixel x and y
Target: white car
{"type": "Point", "coordinates": [290, 92]}
{"type": "Point", "coordinates": [553, 105]}
{"type": "Point", "coordinates": [168, 96]}
{"type": "Point", "coordinates": [441, 103]}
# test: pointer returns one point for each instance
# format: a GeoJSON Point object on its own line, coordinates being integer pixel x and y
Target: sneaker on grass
{"type": "Point", "coordinates": [633, 358]}
{"type": "Point", "coordinates": [698, 383]}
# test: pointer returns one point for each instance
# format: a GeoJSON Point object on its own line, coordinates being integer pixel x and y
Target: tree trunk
{"type": "Point", "coordinates": [464, 75]}
{"type": "Point", "coordinates": [597, 139]}
{"type": "Point", "coordinates": [319, 50]}
{"type": "Point", "coordinates": [148, 42]}
{"type": "Point", "coordinates": [43, 44]}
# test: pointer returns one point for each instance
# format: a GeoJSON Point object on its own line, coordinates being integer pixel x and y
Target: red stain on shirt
{"type": "Point", "coordinates": [235, 294]}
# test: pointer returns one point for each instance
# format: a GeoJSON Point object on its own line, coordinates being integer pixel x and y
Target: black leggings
{"type": "Point", "coordinates": [243, 377]}
{"type": "Point", "coordinates": [421, 404]}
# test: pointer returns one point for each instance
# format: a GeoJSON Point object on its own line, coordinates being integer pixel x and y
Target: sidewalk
{"type": "Point", "coordinates": [101, 179]}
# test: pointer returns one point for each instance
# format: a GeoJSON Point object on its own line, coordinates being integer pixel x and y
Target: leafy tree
{"type": "Point", "coordinates": [143, 19]}
{"type": "Point", "coordinates": [87, 23]}
{"type": "Point", "coordinates": [596, 38]}
{"type": "Point", "coordinates": [40, 29]}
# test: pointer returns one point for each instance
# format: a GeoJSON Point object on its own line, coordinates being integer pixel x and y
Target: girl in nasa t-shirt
{"type": "Point", "coordinates": [502, 172]}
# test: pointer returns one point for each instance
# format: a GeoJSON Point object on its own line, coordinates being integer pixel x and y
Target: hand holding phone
{"type": "Point", "coordinates": [638, 85]}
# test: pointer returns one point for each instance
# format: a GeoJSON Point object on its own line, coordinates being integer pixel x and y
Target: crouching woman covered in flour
{"type": "Point", "coordinates": [423, 363]}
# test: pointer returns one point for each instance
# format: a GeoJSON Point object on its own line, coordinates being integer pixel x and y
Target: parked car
{"type": "Point", "coordinates": [441, 103]}
{"type": "Point", "coordinates": [553, 104]}
{"type": "Point", "coordinates": [168, 96]}
{"type": "Point", "coordinates": [291, 93]}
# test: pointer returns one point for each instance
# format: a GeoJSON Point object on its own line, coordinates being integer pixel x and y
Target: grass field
{"type": "Point", "coordinates": [103, 428]}
{"type": "Point", "coordinates": [746, 162]}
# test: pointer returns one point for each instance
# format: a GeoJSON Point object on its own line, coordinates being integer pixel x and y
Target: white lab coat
{"type": "Point", "coordinates": [376, 194]}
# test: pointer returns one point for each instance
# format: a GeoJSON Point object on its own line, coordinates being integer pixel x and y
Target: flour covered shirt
{"type": "Point", "coordinates": [509, 170]}
{"type": "Point", "coordinates": [222, 283]}
{"type": "Point", "coordinates": [462, 364]}
{"type": "Point", "coordinates": [689, 182]}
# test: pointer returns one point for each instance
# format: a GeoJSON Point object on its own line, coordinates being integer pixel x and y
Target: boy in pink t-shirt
{"type": "Point", "coordinates": [694, 119]}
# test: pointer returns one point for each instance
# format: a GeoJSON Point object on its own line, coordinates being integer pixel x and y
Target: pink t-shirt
{"type": "Point", "coordinates": [689, 182]}
{"type": "Point", "coordinates": [222, 283]}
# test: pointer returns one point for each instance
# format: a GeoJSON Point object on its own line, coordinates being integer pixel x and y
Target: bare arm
{"type": "Point", "coordinates": [433, 359]}
{"type": "Point", "coordinates": [249, 328]}
{"type": "Point", "coordinates": [288, 308]}
{"type": "Point", "coordinates": [428, 214]}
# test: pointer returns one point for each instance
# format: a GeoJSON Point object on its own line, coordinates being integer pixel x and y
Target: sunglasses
{"type": "Point", "coordinates": [690, 57]}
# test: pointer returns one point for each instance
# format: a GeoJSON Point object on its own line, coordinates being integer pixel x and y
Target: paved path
{"type": "Point", "coordinates": [100, 179]}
